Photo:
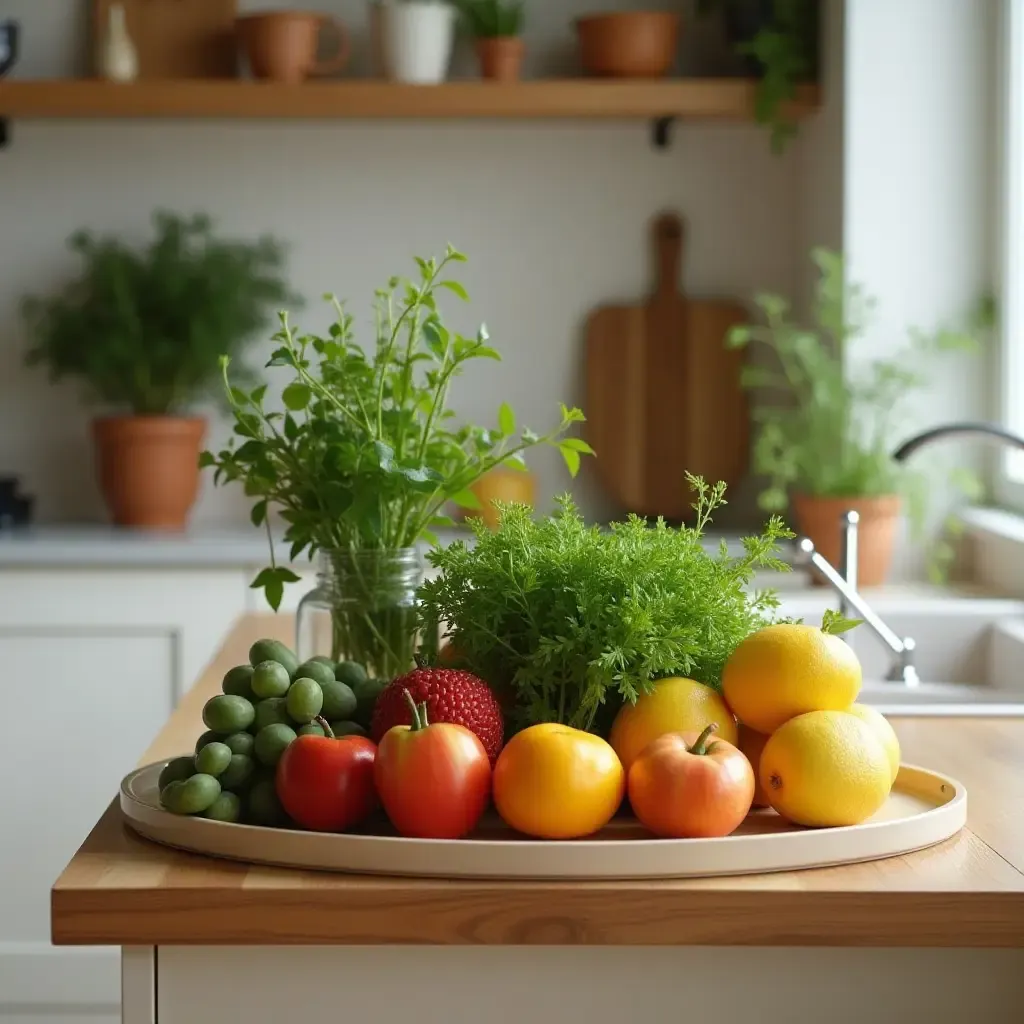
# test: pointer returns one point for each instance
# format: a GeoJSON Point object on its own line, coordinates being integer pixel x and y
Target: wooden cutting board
{"type": "Point", "coordinates": [177, 38]}
{"type": "Point", "coordinates": [663, 392]}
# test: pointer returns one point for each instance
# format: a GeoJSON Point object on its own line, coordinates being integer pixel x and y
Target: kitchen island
{"type": "Point", "coordinates": [933, 936]}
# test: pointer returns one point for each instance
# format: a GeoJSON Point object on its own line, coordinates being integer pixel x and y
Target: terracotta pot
{"type": "Point", "coordinates": [501, 58]}
{"type": "Point", "coordinates": [628, 44]}
{"type": "Point", "coordinates": [282, 45]}
{"type": "Point", "coordinates": [820, 519]}
{"type": "Point", "coordinates": [508, 485]}
{"type": "Point", "coordinates": [148, 468]}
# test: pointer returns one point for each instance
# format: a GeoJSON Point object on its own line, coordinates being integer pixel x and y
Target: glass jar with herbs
{"type": "Point", "coordinates": [357, 456]}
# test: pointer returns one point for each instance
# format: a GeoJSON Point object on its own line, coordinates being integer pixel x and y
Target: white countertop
{"type": "Point", "coordinates": [101, 546]}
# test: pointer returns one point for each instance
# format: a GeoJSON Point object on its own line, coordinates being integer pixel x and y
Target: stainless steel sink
{"type": "Point", "coordinates": [969, 653]}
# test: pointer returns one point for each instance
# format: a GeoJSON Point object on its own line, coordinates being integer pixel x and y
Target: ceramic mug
{"type": "Point", "coordinates": [282, 45]}
{"type": "Point", "coordinates": [8, 45]}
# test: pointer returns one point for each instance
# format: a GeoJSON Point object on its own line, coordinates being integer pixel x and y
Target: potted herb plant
{"type": "Point", "coordinates": [779, 43]}
{"type": "Point", "coordinates": [828, 446]}
{"type": "Point", "coordinates": [144, 328]}
{"type": "Point", "coordinates": [496, 27]}
{"type": "Point", "coordinates": [362, 458]}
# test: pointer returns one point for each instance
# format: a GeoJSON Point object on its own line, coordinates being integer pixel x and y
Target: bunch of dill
{"type": "Point", "coordinates": [566, 621]}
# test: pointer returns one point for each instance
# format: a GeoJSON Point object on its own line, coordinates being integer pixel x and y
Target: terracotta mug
{"type": "Point", "coordinates": [282, 45]}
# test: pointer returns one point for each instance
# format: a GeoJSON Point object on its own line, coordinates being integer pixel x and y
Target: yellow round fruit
{"type": "Point", "coordinates": [824, 769]}
{"type": "Point", "coordinates": [883, 730]}
{"type": "Point", "coordinates": [751, 745]}
{"type": "Point", "coordinates": [674, 705]}
{"type": "Point", "coordinates": [786, 670]}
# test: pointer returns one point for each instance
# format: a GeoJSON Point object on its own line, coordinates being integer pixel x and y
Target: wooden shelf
{"type": "Point", "coordinates": [707, 99]}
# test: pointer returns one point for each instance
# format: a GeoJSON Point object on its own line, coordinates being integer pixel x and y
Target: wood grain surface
{"type": "Point", "coordinates": [176, 39]}
{"type": "Point", "coordinates": [663, 391]}
{"type": "Point", "coordinates": [969, 891]}
{"type": "Point", "coordinates": [693, 99]}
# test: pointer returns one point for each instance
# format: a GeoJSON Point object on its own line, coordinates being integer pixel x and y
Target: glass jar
{"type": "Point", "coordinates": [363, 609]}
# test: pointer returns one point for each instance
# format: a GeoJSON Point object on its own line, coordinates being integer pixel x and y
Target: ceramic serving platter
{"type": "Point", "coordinates": [923, 809]}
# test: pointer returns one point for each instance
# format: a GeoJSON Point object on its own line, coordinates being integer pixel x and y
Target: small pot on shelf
{"type": "Point", "coordinates": [148, 468]}
{"type": "Point", "coordinates": [501, 58]}
{"type": "Point", "coordinates": [415, 40]}
{"type": "Point", "coordinates": [628, 44]}
{"type": "Point", "coordinates": [820, 520]}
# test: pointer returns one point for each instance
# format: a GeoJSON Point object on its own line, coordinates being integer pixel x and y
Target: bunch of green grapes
{"type": "Point", "coordinates": [265, 706]}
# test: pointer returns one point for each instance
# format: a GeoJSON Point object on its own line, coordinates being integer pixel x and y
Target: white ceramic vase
{"type": "Point", "coordinates": [118, 59]}
{"type": "Point", "coordinates": [416, 39]}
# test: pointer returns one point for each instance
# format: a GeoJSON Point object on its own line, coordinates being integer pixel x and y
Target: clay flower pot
{"type": "Point", "coordinates": [628, 44]}
{"type": "Point", "coordinates": [820, 518]}
{"type": "Point", "coordinates": [501, 57]}
{"type": "Point", "coordinates": [148, 468]}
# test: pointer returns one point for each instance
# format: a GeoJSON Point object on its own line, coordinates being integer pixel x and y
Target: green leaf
{"type": "Point", "coordinates": [385, 455]}
{"type": "Point", "coordinates": [455, 288]}
{"type": "Point", "coordinates": [506, 419]}
{"type": "Point", "coordinates": [258, 514]}
{"type": "Point", "coordinates": [274, 591]}
{"type": "Point", "coordinates": [572, 459]}
{"type": "Point", "coordinates": [577, 444]}
{"type": "Point", "coordinates": [206, 459]}
{"type": "Point", "coordinates": [465, 499]}
{"type": "Point", "coordinates": [287, 576]}
{"type": "Point", "coordinates": [486, 352]}
{"type": "Point", "coordinates": [296, 396]}
{"type": "Point", "coordinates": [834, 623]}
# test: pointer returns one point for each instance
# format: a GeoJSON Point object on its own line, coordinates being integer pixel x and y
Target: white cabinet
{"type": "Point", "coordinates": [94, 656]}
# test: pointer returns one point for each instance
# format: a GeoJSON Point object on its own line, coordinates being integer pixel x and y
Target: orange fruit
{"type": "Point", "coordinates": [751, 744]}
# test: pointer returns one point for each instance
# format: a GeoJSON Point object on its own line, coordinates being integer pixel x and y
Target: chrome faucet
{"type": "Point", "coordinates": [845, 584]}
{"type": "Point", "coordinates": [844, 580]}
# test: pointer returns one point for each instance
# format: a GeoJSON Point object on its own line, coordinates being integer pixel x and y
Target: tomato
{"type": "Point", "coordinates": [326, 784]}
{"type": "Point", "coordinates": [434, 780]}
{"type": "Point", "coordinates": [556, 782]}
{"type": "Point", "coordinates": [682, 787]}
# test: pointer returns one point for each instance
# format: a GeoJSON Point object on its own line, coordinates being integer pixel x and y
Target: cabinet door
{"type": "Point", "coordinates": [79, 709]}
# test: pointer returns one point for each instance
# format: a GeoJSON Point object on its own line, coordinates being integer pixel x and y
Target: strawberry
{"type": "Point", "coordinates": [451, 695]}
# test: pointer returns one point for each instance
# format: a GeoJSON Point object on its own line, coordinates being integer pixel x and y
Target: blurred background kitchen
{"type": "Point", "coordinates": [895, 157]}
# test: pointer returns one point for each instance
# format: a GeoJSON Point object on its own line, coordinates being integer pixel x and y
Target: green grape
{"type": "Point", "coordinates": [213, 759]}
{"type": "Point", "coordinates": [228, 713]}
{"type": "Point", "coordinates": [270, 679]}
{"type": "Point", "coordinates": [305, 699]}
{"type": "Point", "coordinates": [272, 742]}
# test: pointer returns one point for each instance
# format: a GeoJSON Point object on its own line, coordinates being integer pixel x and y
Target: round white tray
{"type": "Point", "coordinates": [924, 809]}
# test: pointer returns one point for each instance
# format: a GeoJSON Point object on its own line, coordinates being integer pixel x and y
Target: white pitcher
{"type": "Point", "coordinates": [416, 39]}
{"type": "Point", "coordinates": [118, 59]}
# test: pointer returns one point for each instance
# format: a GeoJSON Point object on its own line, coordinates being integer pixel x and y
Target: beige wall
{"type": "Point", "coordinates": [552, 215]}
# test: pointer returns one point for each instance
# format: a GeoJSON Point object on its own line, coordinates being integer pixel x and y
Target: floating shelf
{"type": "Point", "coordinates": [695, 99]}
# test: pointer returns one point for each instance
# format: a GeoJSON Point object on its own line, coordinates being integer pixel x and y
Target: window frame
{"type": "Point", "coordinates": [1009, 471]}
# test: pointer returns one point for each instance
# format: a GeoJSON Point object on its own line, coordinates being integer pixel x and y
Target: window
{"type": "Point", "coordinates": [1010, 477]}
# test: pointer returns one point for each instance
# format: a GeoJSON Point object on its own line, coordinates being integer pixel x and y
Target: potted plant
{"type": "Point", "coordinates": [415, 39]}
{"type": "Point", "coordinates": [360, 456]}
{"type": "Point", "coordinates": [778, 41]}
{"type": "Point", "coordinates": [828, 446]}
{"type": "Point", "coordinates": [144, 328]}
{"type": "Point", "coordinates": [496, 27]}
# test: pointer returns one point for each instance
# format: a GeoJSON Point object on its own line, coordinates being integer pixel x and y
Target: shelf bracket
{"type": "Point", "coordinates": [661, 131]}
{"type": "Point", "coordinates": [5, 133]}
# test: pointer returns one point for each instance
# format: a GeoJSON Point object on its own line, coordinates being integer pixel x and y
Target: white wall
{"type": "Point", "coordinates": [917, 167]}
{"type": "Point", "coordinates": [552, 216]}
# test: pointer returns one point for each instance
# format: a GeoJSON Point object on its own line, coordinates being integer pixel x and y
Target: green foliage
{"type": "Point", "coordinates": [365, 452]}
{"type": "Point", "coordinates": [787, 52]}
{"type": "Point", "coordinates": [835, 623]}
{"type": "Point", "coordinates": [492, 19]}
{"type": "Point", "coordinates": [145, 328]}
{"type": "Point", "coordinates": [571, 619]}
{"type": "Point", "coordinates": [834, 438]}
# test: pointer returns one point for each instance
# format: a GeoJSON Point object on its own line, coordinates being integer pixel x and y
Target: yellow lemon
{"type": "Point", "coordinates": [751, 745]}
{"type": "Point", "coordinates": [825, 768]}
{"type": "Point", "coordinates": [883, 730]}
{"type": "Point", "coordinates": [786, 670]}
{"type": "Point", "coordinates": [674, 705]}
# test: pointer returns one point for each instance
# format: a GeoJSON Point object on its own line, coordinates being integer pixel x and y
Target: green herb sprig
{"type": "Point", "coordinates": [571, 620]}
{"type": "Point", "coordinates": [492, 19]}
{"type": "Point", "coordinates": [366, 453]}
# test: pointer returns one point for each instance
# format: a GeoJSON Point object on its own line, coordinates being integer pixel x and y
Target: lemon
{"type": "Point", "coordinates": [674, 705]}
{"type": "Point", "coordinates": [825, 768]}
{"type": "Point", "coordinates": [751, 745]}
{"type": "Point", "coordinates": [786, 670]}
{"type": "Point", "coordinates": [883, 730]}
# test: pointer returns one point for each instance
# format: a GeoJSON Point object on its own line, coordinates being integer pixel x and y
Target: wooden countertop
{"type": "Point", "coordinates": [122, 890]}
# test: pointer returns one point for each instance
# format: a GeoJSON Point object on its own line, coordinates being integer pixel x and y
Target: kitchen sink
{"type": "Point", "coordinates": [969, 649]}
